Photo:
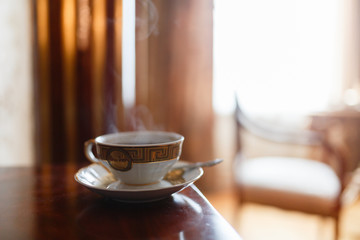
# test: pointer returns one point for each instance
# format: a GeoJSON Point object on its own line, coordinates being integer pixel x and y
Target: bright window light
{"type": "Point", "coordinates": [281, 56]}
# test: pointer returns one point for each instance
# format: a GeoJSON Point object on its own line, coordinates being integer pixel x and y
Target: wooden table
{"type": "Point", "coordinates": [46, 203]}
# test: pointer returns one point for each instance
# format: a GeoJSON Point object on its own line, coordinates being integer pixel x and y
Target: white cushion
{"type": "Point", "coordinates": [293, 175]}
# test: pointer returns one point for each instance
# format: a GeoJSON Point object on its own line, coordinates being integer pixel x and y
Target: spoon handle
{"type": "Point", "coordinates": [201, 164]}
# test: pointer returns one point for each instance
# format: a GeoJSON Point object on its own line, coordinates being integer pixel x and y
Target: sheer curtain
{"type": "Point", "coordinates": [16, 117]}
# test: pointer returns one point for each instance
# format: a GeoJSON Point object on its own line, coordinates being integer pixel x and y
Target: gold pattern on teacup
{"type": "Point", "coordinates": [138, 154]}
{"type": "Point", "coordinates": [119, 159]}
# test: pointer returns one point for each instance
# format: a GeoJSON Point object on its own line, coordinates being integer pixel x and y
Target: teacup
{"type": "Point", "coordinates": [136, 158]}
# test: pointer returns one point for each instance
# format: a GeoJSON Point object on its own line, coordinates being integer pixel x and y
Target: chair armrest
{"type": "Point", "coordinates": [334, 156]}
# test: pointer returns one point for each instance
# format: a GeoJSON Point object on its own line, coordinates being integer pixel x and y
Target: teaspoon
{"type": "Point", "coordinates": [175, 175]}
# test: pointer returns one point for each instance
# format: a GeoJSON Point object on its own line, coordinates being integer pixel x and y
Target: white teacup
{"type": "Point", "coordinates": [136, 158]}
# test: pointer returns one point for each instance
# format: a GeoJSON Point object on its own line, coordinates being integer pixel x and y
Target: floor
{"type": "Point", "coordinates": [258, 222]}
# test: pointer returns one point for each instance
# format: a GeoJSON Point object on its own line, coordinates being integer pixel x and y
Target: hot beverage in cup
{"type": "Point", "coordinates": [136, 158]}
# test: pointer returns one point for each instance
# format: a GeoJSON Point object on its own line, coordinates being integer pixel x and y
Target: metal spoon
{"type": "Point", "coordinates": [199, 164]}
{"type": "Point", "coordinates": [175, 175]}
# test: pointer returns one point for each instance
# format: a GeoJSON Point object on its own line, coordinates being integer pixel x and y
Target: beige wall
{"type": "Point", "coordinates": [16, 117]}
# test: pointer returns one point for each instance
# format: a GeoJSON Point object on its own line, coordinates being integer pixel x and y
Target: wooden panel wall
{"type": "Point", "coordinates": [78, 85]}
{"type": "Point", "coordinates": [177, 60]}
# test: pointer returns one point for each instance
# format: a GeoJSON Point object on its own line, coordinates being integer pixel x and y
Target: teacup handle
{"type": "Point", "coordinates": [88, 150]}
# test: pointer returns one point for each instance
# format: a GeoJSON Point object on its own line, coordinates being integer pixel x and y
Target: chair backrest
{"type": "Point", "coordinates": [332, 152]}
{"type": "Point", "coordinates": [275, 133]}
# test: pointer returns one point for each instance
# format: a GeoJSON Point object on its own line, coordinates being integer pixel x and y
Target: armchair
{"type": "Point", "coordinates": [292, 183]}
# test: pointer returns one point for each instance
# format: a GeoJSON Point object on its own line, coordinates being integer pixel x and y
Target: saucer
{"type": "Point", "coordinates": [99, 180]}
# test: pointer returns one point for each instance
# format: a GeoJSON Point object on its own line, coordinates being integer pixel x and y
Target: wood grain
{"type": "Point", "coordinates": [47, 203]}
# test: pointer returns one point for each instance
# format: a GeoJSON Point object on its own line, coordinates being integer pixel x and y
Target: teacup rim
{"type": "Point", "coordinates": [168, 133]}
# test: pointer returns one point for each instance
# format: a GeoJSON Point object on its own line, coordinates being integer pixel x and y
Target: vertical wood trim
{"type": "Point", "coordinates": [118, 64]}
{"type": "Point", "coordinates": [98, 59]}
{"type": "Point", "coordinates": [160, 53]}
{"type": "Point", "coordinates": [109, 74]}
{"type": "Point", "coordinates": [68, 12]}
{"type": "Point", "coordinates": [84, 77]}
{"type": "Point", "coordinates": [56, 81]}
{"type": "Point", "coordinates": [142, 53]}
{"type": "Point", "coordinates": [43, 123]}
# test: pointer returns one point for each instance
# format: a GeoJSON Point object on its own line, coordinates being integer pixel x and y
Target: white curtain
{"type": "Point", "coordinates": [16, 115]}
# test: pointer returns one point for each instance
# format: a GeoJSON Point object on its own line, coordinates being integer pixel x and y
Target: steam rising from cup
{"type": "Point", "coordinates": [139, 21]}
{"type": "Point", "coordinates": [148, 21]}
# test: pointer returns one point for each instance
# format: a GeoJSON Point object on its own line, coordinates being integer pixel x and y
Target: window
{"type": "Point", "coordinates": [285, 57]}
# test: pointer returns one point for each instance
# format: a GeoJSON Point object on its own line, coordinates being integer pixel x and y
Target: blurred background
{"type": "Point", "coordinates": [75, 69]}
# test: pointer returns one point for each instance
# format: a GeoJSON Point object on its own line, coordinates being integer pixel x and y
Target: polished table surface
{"type": "Point", "coordinates": [46, 203]}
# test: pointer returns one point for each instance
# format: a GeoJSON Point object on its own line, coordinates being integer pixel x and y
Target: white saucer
{"type": "Point", "coordinates": [98, 180]}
